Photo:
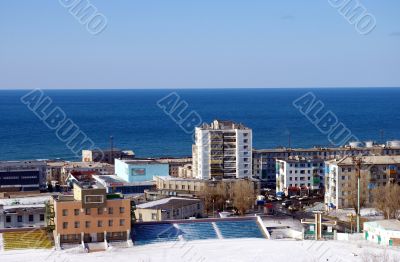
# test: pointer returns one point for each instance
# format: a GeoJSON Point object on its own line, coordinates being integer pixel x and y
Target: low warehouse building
{"type": "Point", "coordinates": [169, 209]}
{"type": "Point", "coordinates": [383, 232]}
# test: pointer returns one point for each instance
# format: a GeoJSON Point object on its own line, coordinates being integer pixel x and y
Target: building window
{"type": "Point", "coordinates": [110, 223]}
{"type": "Point", "coordinates": [153, 216]}
{"type": "Point", "coordinates": [65, 225]}
{"type": "Point", "coordinates": [8, 219]}
{"type": "Point", "coordinates": [76, 212]}
{"type": "Point", "coordinates": [87, 224]}
{"type": "Point", "coordinates": [77, 224]}
{"type": "Point", "coordinates": [99, 223]}
{"type": "Point", "coordinates": [122, 210]}
{"type": "Point", "coordinates": [87, 211]}
{"type": "Point", "coordinates": [30, 218]}
{"type": "Point", "coordinates": [41, 217]}
{"type": "Point", "coordinates": [94, 199]}
{"type": "Point", "coordinates": [65, 212]}
{"type": "Point", "coordinates": [122, 222]}
{"type": "Point", "coordinates": [110, 210]}
{"type": "Point", "coordinates": [19, 219]}
{"type": "Point", "coordinates": [99, 211]}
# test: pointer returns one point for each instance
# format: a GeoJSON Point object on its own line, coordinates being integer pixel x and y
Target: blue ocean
{"type": "Point", "coordinates": [136, 122]}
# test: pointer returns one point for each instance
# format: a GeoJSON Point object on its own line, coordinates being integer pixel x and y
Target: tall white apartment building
{"type": "Point", "coordinates": [222, 149]}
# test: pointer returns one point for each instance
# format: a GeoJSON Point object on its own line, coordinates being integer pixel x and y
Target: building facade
{"type": "Point", "coordinates": [297, 175]}
{"type": "Point", "coordinates": [24, 212]}
{"type": "Point", "coordinates": [169, 209]}
{"type": "Point", "coordinates": [18, 176]}
{"type": "Point", "coordinates": [91, 215]}
{"type": "Point", "coordinates": [140, 170]}
{"type": "Point", "coordinates": [106, 155]}
{"type": "Point", "coordinates": [264, 165]}
{"type": "Point", "coordinates": [341, 178]}
{"type": "Point", "coordinates": [222, 149]}
{"type": "Point", "coordinates": [383, 232]}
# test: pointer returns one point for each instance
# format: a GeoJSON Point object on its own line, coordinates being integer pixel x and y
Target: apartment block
{"type": "Point", "coordinates": [298, 175]}
{"type": "Point", "coordinates": [341, 176]}
{"type": "Point", "coordinates": [264, 165]}
{"type": "Point", "coordinates": [222, 149]}
{"type": "Point", "coordinates": [91, 215]}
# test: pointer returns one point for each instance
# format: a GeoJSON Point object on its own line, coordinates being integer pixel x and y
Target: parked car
{"type": "Point", "coordinates": [293, 208]}
{"type": "Point", "coordinates": [303, 198]}
{"type": "Point", "coordinates": [287, 203]}
{"type": "Point", "coordinates": [271, 198]}
{"type": "Point", "coordinates": [293, 197]}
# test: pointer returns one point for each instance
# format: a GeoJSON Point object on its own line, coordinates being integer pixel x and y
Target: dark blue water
{"type": "Point", "coordinates": [137, 123]}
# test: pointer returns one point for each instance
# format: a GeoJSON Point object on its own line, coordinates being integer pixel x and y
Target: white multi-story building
{"type": "Point", "coordinates": [297, 175]}
{"type": "Point", "coordinates": [264, 159]}
{"type": "Point", "coordinates": [222, 149]}
{"type": "Point", "coordinates": [341, 176]}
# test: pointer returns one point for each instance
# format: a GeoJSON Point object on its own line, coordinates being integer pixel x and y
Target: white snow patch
{"type": "Point", "coordinates": [242, 250]}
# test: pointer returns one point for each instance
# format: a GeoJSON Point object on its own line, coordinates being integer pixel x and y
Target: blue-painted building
{"type": "Point", "coordinates": [140, 170]}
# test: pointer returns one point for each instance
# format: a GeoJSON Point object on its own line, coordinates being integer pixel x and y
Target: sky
{"type": "Point", "coordinates": [198, 44]}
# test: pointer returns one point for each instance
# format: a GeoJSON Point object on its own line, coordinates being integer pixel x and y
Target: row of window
{"type": "Point", "coordinates": [299, 185]}
{"type": "Point", "coordinates": [20, 218]}
{"type": "Point", "coordinates": [88, 211]}
{"type": "Point", "coordinates": [308, 165]}
{"type": "Point", "coordinates": [77, 224]}
{"type": "Point", "coordinates": [303, 171]}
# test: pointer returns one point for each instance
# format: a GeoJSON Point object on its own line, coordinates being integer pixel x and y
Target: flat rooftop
{"type": "Point", "coordinates": [368, 160]}
{"type": "Point", "coordinates": [391, 224]}
{"type": "Point", "coordinates": [168, 203]}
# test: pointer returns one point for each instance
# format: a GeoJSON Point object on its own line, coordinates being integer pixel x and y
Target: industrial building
{"type": "Point", "coordinates": [169, 209]}
{"type": "Point", "coordinates": [383, 232]}
{"type": "Point", "coordinates": [20, 176]}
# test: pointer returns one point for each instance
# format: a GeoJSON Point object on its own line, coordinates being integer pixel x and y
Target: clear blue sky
{"type": "Point", "coordinates": [197, 43]}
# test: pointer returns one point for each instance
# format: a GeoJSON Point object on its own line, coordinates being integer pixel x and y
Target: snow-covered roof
{"type": "Point", "coordinates": [389, 224]}
{"type": "Point", "coordinates": [168, 202]}
{"type": "Point", "coordinates": [24, 202]}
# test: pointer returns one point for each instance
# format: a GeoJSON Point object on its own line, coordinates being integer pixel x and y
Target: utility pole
{"type": "Point", "coordinates": [357, 162]}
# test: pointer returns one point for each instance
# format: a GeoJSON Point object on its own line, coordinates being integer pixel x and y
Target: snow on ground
{"type": "Point", "coordinates": [288, 222]}
{"type": "Point", "coordinates": [1, 242]}
{"type": "Point", "coordinates": [343, 214]}
{"type": "Point", "coordinates": [252, 250]}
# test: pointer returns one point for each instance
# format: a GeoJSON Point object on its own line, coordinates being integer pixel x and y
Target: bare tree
{"type": "Point", "coordinates": [352, 188]}
{"type": "Point", "coordinates": [215, 196]}
{"type": "Point", "coordinates": [386, 199]}
{"type": "Point", "coordinates": [243, 195]}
